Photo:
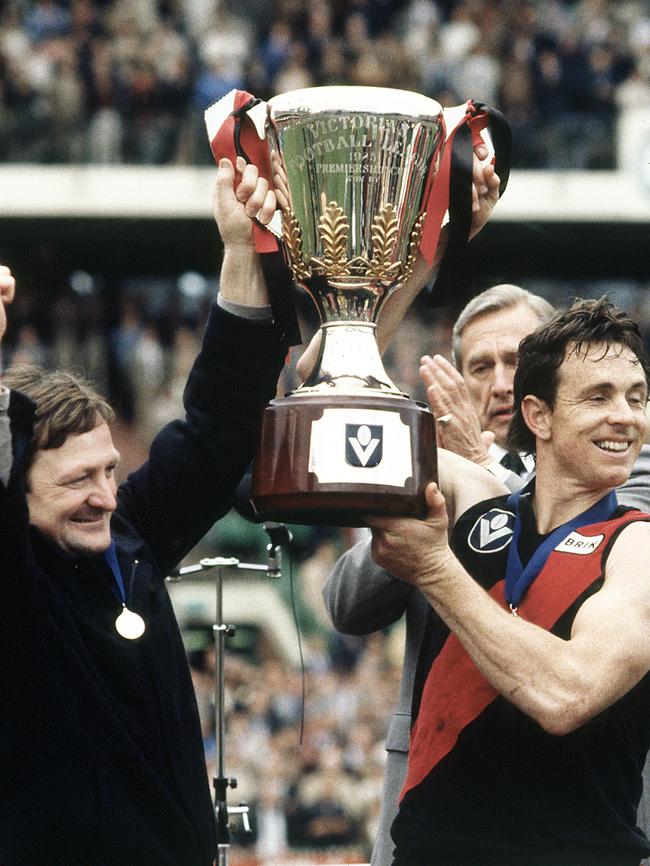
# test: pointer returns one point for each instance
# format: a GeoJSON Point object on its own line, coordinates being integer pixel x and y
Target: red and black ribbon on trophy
{"type": "Point", "coordinates": [450, 189]}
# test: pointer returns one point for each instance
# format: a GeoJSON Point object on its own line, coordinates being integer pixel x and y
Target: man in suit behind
{"type": "Point", "coordinates": [472, 402]}
{"type": "Point", "coordinates": [472, 398]}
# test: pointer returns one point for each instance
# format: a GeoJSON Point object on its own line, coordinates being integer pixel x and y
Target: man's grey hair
{"type": "Point", "coordinates": [501, 297]}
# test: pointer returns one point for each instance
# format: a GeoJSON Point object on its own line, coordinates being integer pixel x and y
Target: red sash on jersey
{"type": "Point", "coordinates": [456, 693]}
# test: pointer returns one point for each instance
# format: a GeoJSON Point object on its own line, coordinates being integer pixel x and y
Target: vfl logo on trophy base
{"type": "Point", "coordinates": [492, 531]}
{"type": "Point", "coordinates": [363, 444]}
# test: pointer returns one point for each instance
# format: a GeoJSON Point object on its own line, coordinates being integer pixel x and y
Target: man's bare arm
{"type": "Point", "coordinates": [237, 200]}
{"type": "Point", "coordinates": [561, 684]}
{"type": "Point", "coordinates": [464, 483]}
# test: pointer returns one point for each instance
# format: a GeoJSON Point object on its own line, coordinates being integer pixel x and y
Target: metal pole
{"type": "Point", "coordinates": [221, 783]}
{"type": "Point", "coordinates": [219, 681]}
{"type": "Point", "coordinates": [279, 535]}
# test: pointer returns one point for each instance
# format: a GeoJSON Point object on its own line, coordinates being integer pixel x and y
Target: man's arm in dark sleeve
{"type": "Point", "coordinates": [195, 464]}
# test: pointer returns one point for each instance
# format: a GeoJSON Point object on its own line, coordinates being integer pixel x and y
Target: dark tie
{"type": "Point", "coordinates": [513, 462]}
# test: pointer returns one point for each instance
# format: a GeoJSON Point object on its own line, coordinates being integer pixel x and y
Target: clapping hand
{"type": "Point", "coordinates": [7, 291]}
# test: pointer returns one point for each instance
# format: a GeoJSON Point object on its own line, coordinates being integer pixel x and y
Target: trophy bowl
{"type": "Point", "coordinates": [358, 162]}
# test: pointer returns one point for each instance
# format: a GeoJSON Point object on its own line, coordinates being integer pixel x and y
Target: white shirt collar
{"type": "Point", "coordinates": [498, 452]}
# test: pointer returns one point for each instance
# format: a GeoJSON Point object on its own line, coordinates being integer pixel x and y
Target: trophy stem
{"type": "Point", "coordinates": [348, 362]}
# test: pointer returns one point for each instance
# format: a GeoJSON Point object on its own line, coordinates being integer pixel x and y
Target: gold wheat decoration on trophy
{"type": "Point", "coordinates": [333, 230]}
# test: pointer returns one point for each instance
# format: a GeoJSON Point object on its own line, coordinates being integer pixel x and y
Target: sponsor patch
{"type": "Point", "coordinates": [492, 531]}
{"type": "Point", "coordinates": [581, 544]}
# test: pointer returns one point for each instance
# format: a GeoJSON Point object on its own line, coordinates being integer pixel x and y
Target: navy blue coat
{"type": "Point", "coordinates": [101, 757]}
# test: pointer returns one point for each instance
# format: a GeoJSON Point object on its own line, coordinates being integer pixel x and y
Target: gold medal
{"type": "Point", "coordinates": [129, 624]}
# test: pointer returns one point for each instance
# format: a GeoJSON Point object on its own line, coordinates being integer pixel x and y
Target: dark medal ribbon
{"type": "Point", "coordinates": [518, 579]}
{"type": "Point", "coordinates": [129, 624]}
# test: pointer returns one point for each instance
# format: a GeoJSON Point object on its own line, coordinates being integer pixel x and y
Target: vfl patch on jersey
{"type": "Point", "coordinates": [492, 531]}
{"type": "Point", "coordinates": [582, 544]}
{"type": "Point", "coordinates": [363, 444]}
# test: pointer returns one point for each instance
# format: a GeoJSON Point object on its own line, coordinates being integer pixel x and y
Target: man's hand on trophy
{"type": "Point", "coordinates": [415, 551]}
{"type": "Point", "coordinates": [239, 198]}
{"type": "Point", "coordinates": [485, 189]}
{"type": "Point", "coordinates": [458, 428]}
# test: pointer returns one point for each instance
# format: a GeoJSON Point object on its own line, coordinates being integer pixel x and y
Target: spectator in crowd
{"type": "Point", "coordinates": [29, 348]}
{"type": "Point", "coordinates": [123, 345]}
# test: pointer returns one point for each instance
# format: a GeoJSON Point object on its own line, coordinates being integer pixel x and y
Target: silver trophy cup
{"type": "Point", "coordinates": [358, 162]}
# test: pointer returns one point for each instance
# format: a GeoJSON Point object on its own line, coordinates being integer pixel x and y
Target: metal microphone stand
{"type": "Point", "coordinates": [279, 535]}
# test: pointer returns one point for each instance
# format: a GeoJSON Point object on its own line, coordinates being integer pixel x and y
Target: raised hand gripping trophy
{"type": "Point", "coordinates": [361, 166]}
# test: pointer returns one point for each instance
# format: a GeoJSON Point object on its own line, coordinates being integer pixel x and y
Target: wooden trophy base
{"type": "Point", "coordinates": [332, 460]}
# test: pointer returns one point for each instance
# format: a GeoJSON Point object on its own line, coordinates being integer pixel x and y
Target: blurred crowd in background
{"type": "Point", "coordinates": [97, 81]}
{"type": "Point", "coordinates": [317, 791]}
{"type": "Point", "coordinates": [127, 81]}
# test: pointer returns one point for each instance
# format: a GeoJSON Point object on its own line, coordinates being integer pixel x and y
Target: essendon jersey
{"type": "Point", "coordinates": [484, 777]}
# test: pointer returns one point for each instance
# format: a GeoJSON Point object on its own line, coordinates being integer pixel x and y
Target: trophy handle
{"type": "Point", "coordinates": [447, 202]}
